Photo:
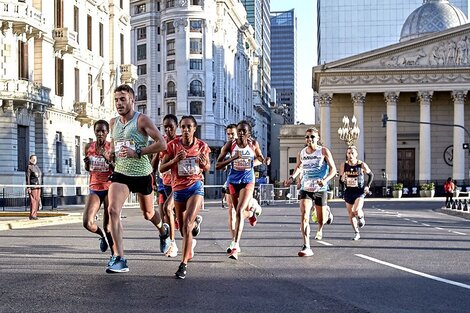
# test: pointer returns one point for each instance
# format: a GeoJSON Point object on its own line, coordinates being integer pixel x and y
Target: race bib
{"type": "Point", "coordinates": [188, 167]}
{"type": "Point", "coordinates": [351, 182]}
{"type": "Point", "coordinates": [242, 164]}
{"type": "Point", "coordinates": [98, 164]}
{"type": "Point", "coordinates": [118, 145]}
{"type": "Point", "coordinates": [311, 185]}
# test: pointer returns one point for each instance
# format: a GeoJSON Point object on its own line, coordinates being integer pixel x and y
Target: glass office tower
{"type": "Point", "coordinates": [348, 27]}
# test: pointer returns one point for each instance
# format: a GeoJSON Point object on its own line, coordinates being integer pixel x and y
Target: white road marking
{"type": "Point", "coordinates": [324, 243]}
{"type": "Point", "coordinates": [458, 233]}
{"type": "Point", "coordinates": [424, 224]}
{"type": "Point", "coordinates": [440, 228]}
{"type": "Point", "coordinates": [439, 279]}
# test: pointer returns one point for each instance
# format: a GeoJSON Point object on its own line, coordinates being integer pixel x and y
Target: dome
{"type": "Point", "coordinates": [432, 16]}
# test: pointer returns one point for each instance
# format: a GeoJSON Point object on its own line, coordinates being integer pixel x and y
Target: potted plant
{"type": "Point", "coordinates": [422, 190]}
{"type": "Point", "coordinates": [431, 190]}
{"type": "Point", "coordinates": [397, 190]}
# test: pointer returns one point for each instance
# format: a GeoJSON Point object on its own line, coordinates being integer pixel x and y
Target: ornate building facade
{"type": "Point", "coordinates": [60, 61]}
{"type": "Point", "coordinates": [421, 84]}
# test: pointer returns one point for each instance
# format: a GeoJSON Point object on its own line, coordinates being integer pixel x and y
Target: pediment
{"type": "Point", "coordinates": [449, 48]}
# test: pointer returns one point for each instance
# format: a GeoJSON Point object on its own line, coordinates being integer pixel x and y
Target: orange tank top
{"type": "Point", "coordinates": [99, 168]}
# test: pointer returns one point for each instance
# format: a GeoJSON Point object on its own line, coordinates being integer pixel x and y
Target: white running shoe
{"type": "Point", "coordinates": [356, 237]}
{"type": "Point", "coordinates": [306, 251]}
{"type": "Point", "coordinates": [172, 251]}
{"type": "Point", "coordinates": [319, 235]}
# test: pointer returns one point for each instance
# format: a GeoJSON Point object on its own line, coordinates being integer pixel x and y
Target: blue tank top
{"type": "Point", "coordinates": [314, 168]}
{"type": "Point", "coordinates": [241, 171]}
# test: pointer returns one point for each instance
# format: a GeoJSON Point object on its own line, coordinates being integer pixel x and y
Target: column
{"type": "Point", "coordinates": [391, 168]}
{"type": "Point", "coordinates": [425, 98]}
{"type": "Point", "coordinates": [181, 66]}
{"type": "Point", "coordinates": [458, 170]}
{"type": "Point", "coordinates": [358, 100]}
{"type": "Point", "coordinates": [325, 125]}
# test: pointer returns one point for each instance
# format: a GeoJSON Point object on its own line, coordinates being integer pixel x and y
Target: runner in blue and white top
{"type": "Point", "coordinates": [317, 167]}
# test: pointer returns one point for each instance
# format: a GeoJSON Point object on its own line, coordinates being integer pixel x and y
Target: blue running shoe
{"type": "Point", "coordinates": [103, 244]}
{"type": "Point", "coordinates": [165, 241]}
{"type": "Point", "coordinates": [119, 266]}
{"type": "Point", "coordinates": [111, 261]}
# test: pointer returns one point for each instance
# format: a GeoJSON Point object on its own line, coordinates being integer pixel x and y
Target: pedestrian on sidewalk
{"type": "Point", "coordinates": [449, 188]}
{"type": "Point", "coordinates": [100, 169]}
{"type": "Point", "coordinates": [33, 179]}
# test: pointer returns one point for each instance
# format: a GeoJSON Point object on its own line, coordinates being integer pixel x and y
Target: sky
{"type": "Point", "coordinates": [306, 53]}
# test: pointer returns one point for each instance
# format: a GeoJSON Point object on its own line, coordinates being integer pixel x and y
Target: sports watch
{"type": "Point", "coordinates": [138, 151]}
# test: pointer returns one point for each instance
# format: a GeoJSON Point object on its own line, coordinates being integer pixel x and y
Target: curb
{"type": "Point", "coordinates": [45, 219]}
{"type": "Point", "coordinates": [462, 214]}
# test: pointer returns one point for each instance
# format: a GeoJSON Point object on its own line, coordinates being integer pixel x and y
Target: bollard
{"type": "Point", "coordinates": [449, 204]}
{"type": "Point", "coordinates": [459, 206]}
{"type": "Point", "coordinates": [465, 206]}
{"type": "Point", "coordinates": [454, 205]}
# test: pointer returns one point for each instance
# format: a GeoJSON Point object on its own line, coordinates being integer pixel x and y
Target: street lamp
{"type": "Point", "coordinates": [349, 134]}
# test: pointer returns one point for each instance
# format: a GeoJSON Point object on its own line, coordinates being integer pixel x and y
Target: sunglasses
{"type": "Point", "coordinates": [311, 137]}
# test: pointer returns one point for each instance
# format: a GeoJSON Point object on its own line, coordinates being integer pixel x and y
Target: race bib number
{"type": "Point", "coordinates": [98, 164]}
{"type": "Point", "coordinates": [311, 185]}
{"type": "Point", "coordinates": [119, 145]}
{"type": "Point", "coordinates": [351, 182]}
{"type": "Point", "coordinates": [242, 164]}
{"type": "Point", "coordinates": [188, 167]}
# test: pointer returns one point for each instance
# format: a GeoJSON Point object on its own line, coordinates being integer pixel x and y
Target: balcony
{"type": "Point", "coordinates": [88, 113]}
{"type": "Point", "coordinates": [17, 93]}
{"type": "Point", "coordinates": [65, 40]}
{"type": "Point", "coordinates": [196, 93]}
{"type": "Point", "coordinates": [128, 73]}
{"type": "Point", "coordinates": [23, 19]}
{"type": "Point", "coordinates": [170, 94]}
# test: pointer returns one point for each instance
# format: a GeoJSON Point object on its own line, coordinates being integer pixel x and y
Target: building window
{"type": "Point", "coordinates": [121, 40]}
{"type": "Point", "coordinates": [142, 69]}
{"type": "Point", "coordinates": [101, 32]}
{"type": "Point", "coordinates": [23, 71]}
{"type": "Point", "coordinates": [170, 28]}
{"type": "Point", "coordinates": [77, 84]}
{"type": "Point", "coordinates": [142, 52]}
{"type": "Point", "coordinates": [142, 108]}
{"type": "Point", "coordinates": [195, 45]}
{"type": "Point", "coordinates": [102, 92]}
{"type": "Point", "coordinates": [171, 108]}
{"type": "Point", "coordinates": [195, 108]}
{"type": "Point", "coordinates": [22, 148]}
{"type": "Point", "coordinates": [159, 88]}
{"type": "Point", "coordinates": [292, 160]}
{"type": "Point", "coordinates": [76, 21]}
{"type": "Point", "coordinates": [90, 88]}
{"type": "Point", "coordinates": [142, 92]}
{"type": "Point", "coordinates": [158, 68]}
{"type": "Point", "coordinates": [195, 26]}
{"type": "Point", "coordinates": [59, 77]}
{"type": "Point", "coordinates": [158, 6]}
{"type": "Point", "coordinates": [170, 3]}
{"type": "Point", "coordinates": [170, 47]}
{"type": "Point", "coordinates": [195, 88]}
{"type": "Point", "coordinates": [195, 64]}
{"type": "Point", "coordinates": [196, 2]}
{"type": "Point", "coordinates": [58, 152]}
{"type": "Point", "coordinates": [141, 8]}
{"type": "Point", "coordinates": [59, 13]}
{"type": "Point", "coordinates": [77, 156]}
{"type": "Point", "coordinates": [141, 33]}
{"type": "Point", "coordinates": [158, 47]}
{"type": "Point", "coordinates": [89, 32]}
{"type": "Point", "coordinates": [170, 65]}
{"type": "Point", "coordinates": [171, 89]}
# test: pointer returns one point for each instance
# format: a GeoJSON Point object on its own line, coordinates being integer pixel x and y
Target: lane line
{"type": "Point", "coordinates": [439, 279]}
{"type": "Point", "coordinates": [457, 232]}
{"type": "Point", "coordinates": [440, 228]}
{"type": "Point", "coordinates": [324, 243]}
{"type": "Point", "coordinates": [424, 224]}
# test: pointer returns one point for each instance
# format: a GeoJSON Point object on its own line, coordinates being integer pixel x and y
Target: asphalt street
{"type": "Point", "coordinates": [411, 258]}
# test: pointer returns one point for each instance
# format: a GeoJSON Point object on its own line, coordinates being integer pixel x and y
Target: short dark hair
{"type": "Point", "coordinates": [171, 117]}
{"type": "Point", "coordinates": [125, 88]}
{"type": "Point", "coordinates": [231, 126]}
{"type": "Point", "coordinates": [189, 117]}
{"type": "Point", "coordinates": [245, 122]}
{"type": "Point", "coordinates": [102, 122]}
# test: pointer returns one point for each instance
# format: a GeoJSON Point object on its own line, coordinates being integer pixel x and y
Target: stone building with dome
{"type": "Point", "coordinates": [421, 83]}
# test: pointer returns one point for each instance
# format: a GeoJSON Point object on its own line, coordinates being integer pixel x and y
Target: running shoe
{"type": "Point", "coordinates": [319, 235]}
{"type": "Point", "coordinates": [177, 225]}
{"type": "Point", "coordinates": [232, 245]}
{"type": "Point", "coordinates": [103, 244]}
{"type": "Point", "coordinates": [253, 220]}
{"type": "Point", "coordinates": [111, 261]}
{"type": "Point", "coordinates": [192, 249]}
{"type": "Point", "coordinates": [119, 266]}
{"type": "Point", "coordinates": [197, 225]}
{"type": "Point", "coordinates": [256, 208]}
{"type": "Point", "coordinates": [233, 254]}
{"type": "Point", "coordinates": [361, 221]}
{"type": "Point", "coordinates": [305, 251]}
{"type": "Point", "coordinates": [314, 216]}
{"type": "Point", "coordinates": [330, 216]}
{"type": "Point", "coordinates": [357, 236]}
{"type": "Point", "coordinates": [173, 251]}
{"type": "Point", "coordinates": [165, 238]}
{"type": "Point", "coordinates": [181, 272]}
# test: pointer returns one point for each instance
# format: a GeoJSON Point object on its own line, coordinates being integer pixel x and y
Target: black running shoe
{"type": "Point", "coordinates": [181, 272]}
{"type": "Point", "coordinates": [103, 244]}
{"type": "Point", "coordinates": [197, 225]}
{"type": "Point", "coordinates": [361, 221]}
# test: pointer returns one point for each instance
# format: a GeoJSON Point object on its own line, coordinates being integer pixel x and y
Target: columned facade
{"type": "Point", "coordinates": [425, 97]}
